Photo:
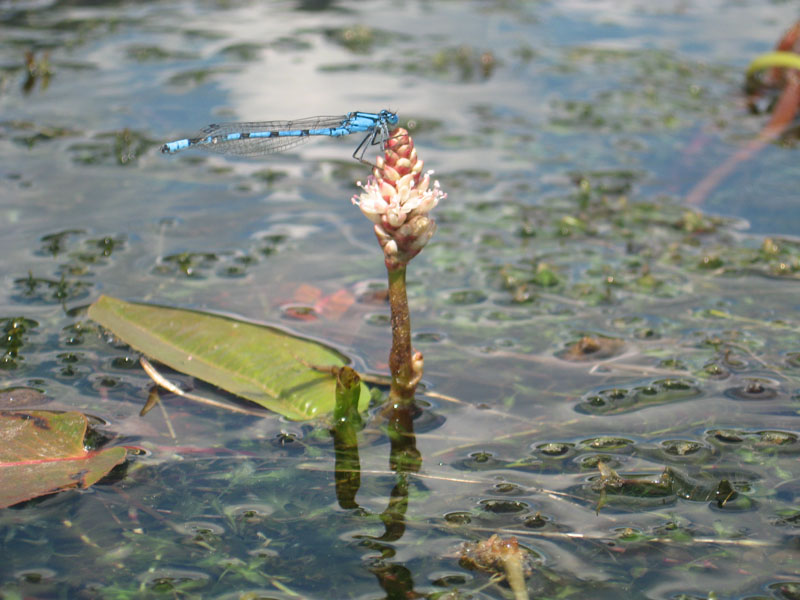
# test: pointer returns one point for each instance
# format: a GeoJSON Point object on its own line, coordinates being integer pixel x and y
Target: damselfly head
{"type": "Point", "coordinates": [389, 117]}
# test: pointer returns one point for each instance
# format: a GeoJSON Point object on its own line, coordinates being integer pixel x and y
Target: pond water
{"type": "Point", "coordinates": [573, 308]}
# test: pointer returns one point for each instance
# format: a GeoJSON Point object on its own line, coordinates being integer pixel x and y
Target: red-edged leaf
{"type": "Point", "coordinates": [42, 452]}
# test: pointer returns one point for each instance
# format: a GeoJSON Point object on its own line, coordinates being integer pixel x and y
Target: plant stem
{"type": "Point", "coordinates": [515, 575]}
{"type": "Point", "coordinates": [401, 364]}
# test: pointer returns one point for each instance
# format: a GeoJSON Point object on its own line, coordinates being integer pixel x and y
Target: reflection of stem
{"type": "Point", "coordinates": [393, 516]}
{"type": "Point", "coordinates": [404, 458]}
{"type": "Point", "coordinates": [347, 470]}
{"type": "Point", "coordinates": [347, 422]}
{"type": "Point", "coordinates": [395, 580]}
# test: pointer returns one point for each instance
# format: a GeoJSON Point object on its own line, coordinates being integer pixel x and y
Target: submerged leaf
{"type": "Point", "coordinates": [262, 364]}
{"type": "Point", "coordinates": [42, 452]}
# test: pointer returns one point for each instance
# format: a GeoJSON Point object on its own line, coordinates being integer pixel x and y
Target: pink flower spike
{"type": "Point", "coordinates": [390, 174]}
{"type": "Point", "coordinates": [398, 197]}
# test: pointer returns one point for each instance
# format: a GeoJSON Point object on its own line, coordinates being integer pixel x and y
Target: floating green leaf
{"type": "Point", "coordinates": [262, 364]}
{"type": "Point", "coordinates": [42, 452]}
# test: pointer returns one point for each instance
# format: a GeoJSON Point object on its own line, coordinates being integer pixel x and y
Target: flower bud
{"type": "Point", "coordinates": [398, 197]}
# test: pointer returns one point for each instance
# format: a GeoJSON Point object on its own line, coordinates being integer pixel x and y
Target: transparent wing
{"type": "Point", "coordinates": [251, 146]}
{"type": "Point", "coordinates": [238, 139]}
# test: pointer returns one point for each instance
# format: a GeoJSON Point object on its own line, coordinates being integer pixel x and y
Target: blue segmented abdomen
{"type": "Point", "coordinates": [266, 137]}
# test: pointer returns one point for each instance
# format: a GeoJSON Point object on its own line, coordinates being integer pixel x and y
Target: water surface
{"type": "Point", "coordinates": [572, 308]}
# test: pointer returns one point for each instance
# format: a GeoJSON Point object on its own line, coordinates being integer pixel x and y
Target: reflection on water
{"type": "Point", "coordinates": [612, 377]}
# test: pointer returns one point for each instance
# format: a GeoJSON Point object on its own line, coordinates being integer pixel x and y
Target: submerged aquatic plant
{"type": "Point", "coordinates": [498, 555]}
{"type": "Point", "coordinates": [398, 198]}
